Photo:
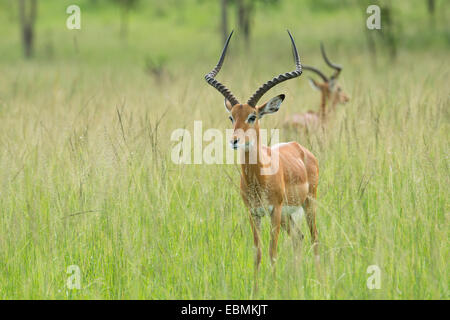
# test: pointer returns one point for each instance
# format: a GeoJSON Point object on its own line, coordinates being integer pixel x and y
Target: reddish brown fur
{"type": "Point", "coordinates": [294, 184]}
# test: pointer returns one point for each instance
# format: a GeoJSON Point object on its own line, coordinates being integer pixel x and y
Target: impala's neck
{"type": "Point", "coordinates": [254, 159]}
{"type": "Point", "coordinates": [323, 105]}
{"type": "Point", "coordinates": [334, 102]}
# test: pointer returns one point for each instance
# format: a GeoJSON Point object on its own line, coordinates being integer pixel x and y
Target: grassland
{"type": "Point", "coordinates": [86, 177]}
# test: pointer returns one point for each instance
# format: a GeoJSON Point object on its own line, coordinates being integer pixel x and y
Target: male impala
{"type": "Point", "coordinates": [331, 94]}
{"type": "Point", "coordinates": [285, 192]}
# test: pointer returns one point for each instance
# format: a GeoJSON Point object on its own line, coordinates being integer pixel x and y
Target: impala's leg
{"type": "Point", "coordinates": [286, 224]}
{"type": "Point", "coordinates": [310, 208]}
{"type": "Point", "coordinates": [274, 232]}
{"type": "Point", "coordinates": [297, 235]}
{"type": "Point", "coordinates": [255, 222]}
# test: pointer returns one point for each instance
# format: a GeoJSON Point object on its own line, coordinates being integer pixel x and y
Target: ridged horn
{"type": "Point", "coordinates": [278, 79]}
{"type": "Point", "coordinates": [210, 77]}
{"type": "Point", "coordinates": [336, 67]}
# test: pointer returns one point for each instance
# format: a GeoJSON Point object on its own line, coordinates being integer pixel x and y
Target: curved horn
{"type": "Point", "coordinates": [282, 77]}
{"type": "Point", "coordinates": [216, 84]}
{"type": "Point", "coordinates": [317, 71]}
{"type": "Point", "coordinates": [337, 67]}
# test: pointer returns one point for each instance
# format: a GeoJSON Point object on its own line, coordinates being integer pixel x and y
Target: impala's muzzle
{"type": "Point", "coordinates": [345, 98]}
{"type": "Point", "coordinates": [239, 142]}
{"type": "Point", "coordinates": [234, 143]}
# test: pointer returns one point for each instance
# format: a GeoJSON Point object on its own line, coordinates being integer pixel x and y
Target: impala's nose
{"type": "Point", "coordinates": [234, 143]}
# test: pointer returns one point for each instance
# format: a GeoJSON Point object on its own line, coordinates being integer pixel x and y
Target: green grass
{"type": "Point", "coordinates": [79, 187]}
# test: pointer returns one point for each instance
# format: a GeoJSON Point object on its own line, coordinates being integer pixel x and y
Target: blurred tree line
{"type": "Point", "coordinates": [390, 32]}
{"type": "Point", "coordinates": [242, 12]}
{"type": "Point", "coordinates": [27, 10]}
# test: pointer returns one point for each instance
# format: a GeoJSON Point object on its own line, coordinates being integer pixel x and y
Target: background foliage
{"type": "Point", "coordinates": [85, 171]}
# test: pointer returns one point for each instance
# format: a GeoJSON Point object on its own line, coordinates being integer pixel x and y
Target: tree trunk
{"type": "Point", "coordinates": [240, 12]}
{"type": "Point", "coordinates": [27, 20]}
{"type": "Point", "coordinates": [431, 11]}
{"type": "Point", "coordinates": [224, 20]}
{"type": "Point", "coordinates": [27, 40]}
{"type": "Point", "coordinates": [431, 7]}
{"type": "Point", "coordinates": [370, 36]}
{"type": "Point", "coordinates": [372, 46]}
{"type": "Point", "coordinates": [244, 12]}
{"type": "Point", "coordinates": [388, 32]}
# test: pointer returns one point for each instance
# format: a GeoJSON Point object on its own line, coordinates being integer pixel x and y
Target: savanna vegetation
{"type": "Point", "coordinates": [86, 176]}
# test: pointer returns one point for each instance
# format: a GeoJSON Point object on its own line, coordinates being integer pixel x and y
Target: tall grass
{"type": "Point", "coordinates": [86, 179]}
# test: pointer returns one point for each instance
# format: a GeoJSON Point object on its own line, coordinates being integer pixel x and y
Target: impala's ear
{"type": "Point", "coordinates": [314, 84]}
{"type": "Point", "coordinates": [270, 106]}
{"type": "Point", "coordinates": [228, 105]}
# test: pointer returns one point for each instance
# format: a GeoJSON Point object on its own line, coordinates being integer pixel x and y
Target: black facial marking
{"type": "Point", "coordinates": [251, 118]}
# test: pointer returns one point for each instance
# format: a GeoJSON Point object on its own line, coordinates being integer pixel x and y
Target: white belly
{"type": "Point", "coordinates": [296, 213]}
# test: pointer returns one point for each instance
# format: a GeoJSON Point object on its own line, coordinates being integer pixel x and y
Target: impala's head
{"type": "Point", "coordinates": [331, 90]}
{"type": "Point", "coordinates": [245, 117]}
{"type": "Point", "coordinates": [329, 86]}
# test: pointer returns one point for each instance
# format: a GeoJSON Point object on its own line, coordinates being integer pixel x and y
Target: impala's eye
{"type": "Point", "coordinates": [251, 119]}
{"type": "Point", "coordinates": [231, 119]}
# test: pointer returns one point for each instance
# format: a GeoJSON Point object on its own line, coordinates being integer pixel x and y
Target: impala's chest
{"type": "Point", "coordinates": [259, 194]}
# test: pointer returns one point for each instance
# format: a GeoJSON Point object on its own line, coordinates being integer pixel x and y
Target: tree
{"type": "Point", "coordinates": [126, 6]}
{"type": "Point", "coordinates": [27, 15]}
{"type": "Point", "coordinates": [224, 17]}
{"type": "Point", "coordinates": [244, 15]}
{"type": "Point", "coordinates": [245, 10]}
{"type": "Point", "coordinates": [389, 33]}
{"type": "Point", "coordinates": [431, 7]}
{"type": "Point", "coordinates": [388, 30]}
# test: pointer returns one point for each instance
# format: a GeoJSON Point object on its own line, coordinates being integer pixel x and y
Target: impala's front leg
{"type": "Point", "coordinates": [274, 232]}
{"type": "Point", "coordinates": [255, 222]}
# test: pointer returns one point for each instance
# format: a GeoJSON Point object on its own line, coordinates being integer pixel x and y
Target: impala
{"type": "Point", "coordinates": [331, 94]}
{"type": "Point", "coordinates": [282, 194]}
